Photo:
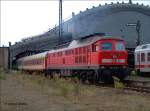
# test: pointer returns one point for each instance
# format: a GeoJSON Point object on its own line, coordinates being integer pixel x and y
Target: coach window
{"type": "Point", "coordinates": [144, 47]}
{"type": "Point", "coordinates": [148, 56]}
{"type": "Point", "coordinates": [138, 57]}
{"type": "Point", "coordinates": [142, 57]}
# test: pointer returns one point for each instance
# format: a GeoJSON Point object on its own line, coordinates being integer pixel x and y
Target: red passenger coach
{"type": "Point", "coordinates": [94, 58]}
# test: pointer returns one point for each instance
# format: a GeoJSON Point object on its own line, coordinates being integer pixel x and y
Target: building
{"type": "Point", "coordinates": [4, 57]}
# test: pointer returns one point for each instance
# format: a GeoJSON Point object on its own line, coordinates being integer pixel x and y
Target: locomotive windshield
{"type": "Point", "coordinates": [119, 46]}
{"type": "Point", "coordinates": [107, 46]}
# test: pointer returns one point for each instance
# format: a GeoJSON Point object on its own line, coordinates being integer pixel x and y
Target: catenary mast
{"type": "Point", "coordinates": [60, 22]}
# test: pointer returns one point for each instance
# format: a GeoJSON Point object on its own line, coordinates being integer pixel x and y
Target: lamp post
{"type": "Point", "coordinates": [138, 26]}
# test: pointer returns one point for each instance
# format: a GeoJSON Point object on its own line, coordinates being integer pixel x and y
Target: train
{"type": "Point", "coordinates": [142, 59]}
{"type": "Point", "coordinates": [94, 58]}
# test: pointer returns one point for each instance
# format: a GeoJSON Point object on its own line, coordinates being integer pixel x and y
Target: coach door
{"type": "Point", "coordinates": [142, 61]}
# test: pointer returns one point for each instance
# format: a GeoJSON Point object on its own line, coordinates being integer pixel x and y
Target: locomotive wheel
{"type": "Point", "coordinates": [97, 78]}
{"type": "Point", "coordinates": [91, 77]}
{"type": "Point", "coordinates": [83, 77]}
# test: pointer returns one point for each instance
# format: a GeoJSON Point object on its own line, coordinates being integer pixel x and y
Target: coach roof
{"type": "Point", "coordinates": [143, 47]}
{"type": "Point", "coordinates": [35, 56]}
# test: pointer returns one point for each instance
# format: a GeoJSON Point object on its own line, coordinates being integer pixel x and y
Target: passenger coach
{"type": "Point", "coordinates": [142, 58]}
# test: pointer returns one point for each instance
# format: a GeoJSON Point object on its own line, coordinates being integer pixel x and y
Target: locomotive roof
{"type": "Point", "coordinates": [73, 44]}
{"type": "Point", "coordinates": [85, 42]}
{"type": "Point", "coordinates": [143, 47]}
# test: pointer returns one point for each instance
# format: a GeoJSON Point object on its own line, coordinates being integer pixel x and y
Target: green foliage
{"type": "Point", "coordinates": [2, 74]}
{"type": "Point", "coordinates": [133, 73]}
{"type": "Point", "coordinates": [117, 83]}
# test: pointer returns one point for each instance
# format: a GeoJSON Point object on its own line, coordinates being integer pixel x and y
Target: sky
{"type": "Point", "coordinates": [23, 19]}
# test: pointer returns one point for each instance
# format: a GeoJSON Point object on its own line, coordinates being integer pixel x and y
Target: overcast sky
{"type": "Point", "coordinates": [22, 19]}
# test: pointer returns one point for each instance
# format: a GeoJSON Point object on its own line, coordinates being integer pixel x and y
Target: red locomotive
{"type": "Point", "coordinates": [93, 58]}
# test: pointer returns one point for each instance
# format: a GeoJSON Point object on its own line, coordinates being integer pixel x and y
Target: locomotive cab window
{"type": "Point", "coordinates": [119, 46]}
{"type": "Point", "coordinates": [106, 46]}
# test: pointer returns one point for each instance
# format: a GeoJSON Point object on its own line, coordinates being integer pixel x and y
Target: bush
{"type": "Point", "coordinates": [133, 73]}
{"type": "Point", "coordinates": [117, 83]}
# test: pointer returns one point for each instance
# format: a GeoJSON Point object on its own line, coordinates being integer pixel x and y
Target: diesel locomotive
{"type": "Point", "coordinates": [94, 58]}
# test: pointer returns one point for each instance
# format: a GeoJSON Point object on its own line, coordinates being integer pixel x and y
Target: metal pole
{"type": "Point", "coordinates": [130, 1]}
{"type": "Point", "coordinates": [60, 22]}
{"type": "Point", "coordinates": [138, 26]}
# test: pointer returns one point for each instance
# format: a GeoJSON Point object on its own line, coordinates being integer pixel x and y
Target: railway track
{"type": "Point", "coordinates": [141, 89]}
{"type": "Point", "coordinates": [128, 87]}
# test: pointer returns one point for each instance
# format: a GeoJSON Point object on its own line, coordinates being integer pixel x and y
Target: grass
{"type": "Point", "coordinates": [66, 88]}
{"type": "Point", "coordinates": [84, 97]}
